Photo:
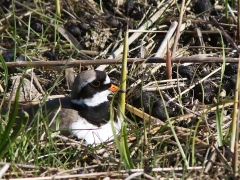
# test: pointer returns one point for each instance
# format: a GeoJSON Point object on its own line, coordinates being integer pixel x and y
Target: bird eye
{"type": "Point", "coordinates": [95, 84]}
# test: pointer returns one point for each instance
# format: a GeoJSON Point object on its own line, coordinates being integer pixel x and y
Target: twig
{"type": "Point", "coordinates": [178, 29]}
{"type": "Point", "coordinates": [24, 166]}
{"type": "Point", "coordinates": [207, 47]}
{"type": "Point", "coordinates": [233, 15]}
{"type": "Point", "coordinates": [77, 63]}
{"type": "Point", "coordinates": [172, 28]}
{"type": "Point", "coordinates": [168, 64]}
{"type": "Point", "coordinates": [199, 33]}
{"type": "Point", "coordinates": [89, 175]}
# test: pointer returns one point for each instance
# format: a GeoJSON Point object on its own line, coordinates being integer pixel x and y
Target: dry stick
{"type": "Point", "coordinates": [164, 31]}
{"type": "Point", "coordinates": [203, 32]}
{"type": "Point", "coordinates": [4, 169]}
{"type": "Point", "coordinates": [168, 64]}
{"type": "Point", "coordinates": [134, 36]}
{"type": "Point", "coordinates": [169, 85]}
{"type": "Point", "coordinates": [163, 81]}
{"type": "Point", "coordinates": [202, 59]}
{"type": "Point", "coordinates": [233, 15]}
{"type": "Point", "coordinates": [199, 33]}
{"type": "Point", "coordinates": [69, 37]}
{"type": "Point", "coordinates": [229, 39]}
{"type": "Point", "coordinates": [191, 59]}
{"type": "Point", "coordinates": [207, 47]}
{"type": "Point", "coordinates": [76, 63]}
{"type": "Point", "coordinates": [178, 29]}
{"type": "Point", "coordinates": [116, 174]}
{"type": "Point", "coordinates": [160, 51]}
{"type": "Point", "coordinates": [89, 175]}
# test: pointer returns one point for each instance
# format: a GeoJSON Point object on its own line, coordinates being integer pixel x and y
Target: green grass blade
{"type": "Point", "coordinates": [21, 124]}
{"type": "Point", "coordinates": [226, 9]}
{"type": "Point", "coordinates": [123, 145]}
{"type": "Point", "coordinates": [58, 8]}
{"type": "Point", "coordinates": [5, 69]}
{"type": "Point", "coordinates": [5, 137]}
{"type": "Point", "coordinates": [122, 96]}
{"type": "Point", "coordinates": [219, 113]}
{"type": "Point", "coordinates": [173, 130]}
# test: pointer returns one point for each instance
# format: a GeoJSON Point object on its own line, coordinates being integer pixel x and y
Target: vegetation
{"type": "Point", "coordinates": [183, 126]}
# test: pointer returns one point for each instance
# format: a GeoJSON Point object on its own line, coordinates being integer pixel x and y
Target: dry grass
{"type": "Point", "coordinates": [193, 143]}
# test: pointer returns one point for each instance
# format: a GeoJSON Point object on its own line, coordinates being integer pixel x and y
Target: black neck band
{"type": "Point", "coordinates": [97, 115]}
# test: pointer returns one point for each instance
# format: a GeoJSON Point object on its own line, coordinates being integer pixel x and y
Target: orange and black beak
{"type": "Point", "coordinates": [113, 88]}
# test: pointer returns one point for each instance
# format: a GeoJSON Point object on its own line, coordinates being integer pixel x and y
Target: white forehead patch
{"type": "Point", "coordinates": [107, 80]}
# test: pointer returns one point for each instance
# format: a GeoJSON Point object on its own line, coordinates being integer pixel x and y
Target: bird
{"type": "Point", "coordinates": [86, 114]}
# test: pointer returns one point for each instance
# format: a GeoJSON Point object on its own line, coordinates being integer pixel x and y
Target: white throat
{"type": "Point", "coordinates": [97, 99]}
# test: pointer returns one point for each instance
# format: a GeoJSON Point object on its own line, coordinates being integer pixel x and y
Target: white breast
{"type": "Point", "coordinates": [93, 134]}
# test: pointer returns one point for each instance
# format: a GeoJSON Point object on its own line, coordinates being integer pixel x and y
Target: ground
{"type": "Point", "coordinates": [188, 134]}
